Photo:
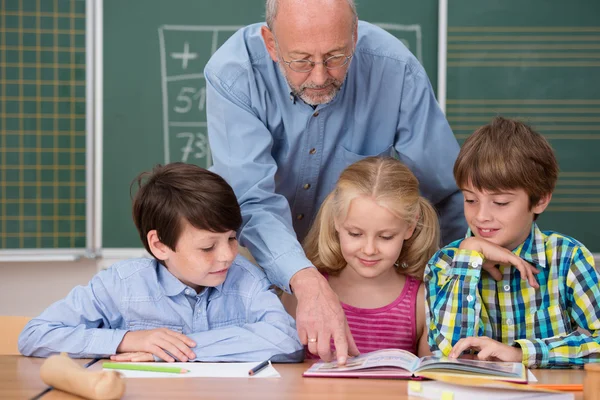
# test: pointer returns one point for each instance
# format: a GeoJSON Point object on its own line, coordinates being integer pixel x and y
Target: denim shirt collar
{"type": "Point", "coordinates": [173, 286]}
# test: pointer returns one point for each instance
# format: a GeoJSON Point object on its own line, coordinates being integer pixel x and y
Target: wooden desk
{"type": "Point", "coordinates": [20, 379]}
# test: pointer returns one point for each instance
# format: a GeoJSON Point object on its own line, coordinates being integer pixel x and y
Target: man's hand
{"type": "Point", "coordinates": [158, 342]}
{"type": "Point", "coordinates": [136, 356]}
{"type": "Point", "coordinates": [319, 317]}
{"type": "Point", "coordinates": [494, 254]}
{"type": "Point", "coordinates": [489, 350]}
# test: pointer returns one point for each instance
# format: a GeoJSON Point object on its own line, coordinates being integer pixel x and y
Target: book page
{"type": "Point", "coordinates": [497, 368]}
{"type": "Point", "coordinates": [380, 358]}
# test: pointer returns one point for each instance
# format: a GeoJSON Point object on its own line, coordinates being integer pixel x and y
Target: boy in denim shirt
{"type": "Point", "coordinates": [197, 300]}
{"type": "Point", "coordinates": [509, 291]}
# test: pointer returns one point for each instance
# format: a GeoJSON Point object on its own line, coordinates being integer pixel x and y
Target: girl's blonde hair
{"type": "Point", "coordinates": [393, 186]}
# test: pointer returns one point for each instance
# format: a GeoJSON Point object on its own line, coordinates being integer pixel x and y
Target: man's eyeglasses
{"type": "Point", "coordinates": [333, 62]}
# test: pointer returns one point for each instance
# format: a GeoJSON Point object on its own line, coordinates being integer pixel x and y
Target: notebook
{"type": "Point", "coordinates": [470, 389]}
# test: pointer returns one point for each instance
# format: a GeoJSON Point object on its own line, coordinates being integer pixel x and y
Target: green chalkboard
{"type": "Point", "coordinates": [538, 61]}
{"type": "Point", "coordinates": [154, 55]}
{"type": "Point", "coordinates": [42, 124]}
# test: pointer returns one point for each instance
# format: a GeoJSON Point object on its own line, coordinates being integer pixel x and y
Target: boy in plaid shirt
{"type": "Point", "coordinates": [509, 291]}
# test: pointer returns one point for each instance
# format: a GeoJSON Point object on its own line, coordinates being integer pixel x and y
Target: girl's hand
{"type": "Point", "coordinates": [159, 342]}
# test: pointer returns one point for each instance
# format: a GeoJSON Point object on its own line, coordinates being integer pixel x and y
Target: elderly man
{"type": "Point", "coordinates": [290, 104]}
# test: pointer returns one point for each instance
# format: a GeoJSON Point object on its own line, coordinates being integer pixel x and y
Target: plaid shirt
{"type": "Point", "coordinates": [463, 302]}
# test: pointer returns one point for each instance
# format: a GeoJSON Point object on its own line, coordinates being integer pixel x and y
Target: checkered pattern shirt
{"type": "Point", "coordinates": [463, 301]}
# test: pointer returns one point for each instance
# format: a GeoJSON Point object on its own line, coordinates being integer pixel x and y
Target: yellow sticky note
{"type": "Point", "coordinates": [414, 386]}
{"type": "Point", "coordinates": [447, 396]}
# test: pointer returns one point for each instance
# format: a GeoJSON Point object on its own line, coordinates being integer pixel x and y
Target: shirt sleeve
{"type": "Point", "coordinates": [426, 144]}
{"type": "Point", "coordinates": [79, 325]}
{"type": "Point", "coordinates": [269, 334]}
{"type": "Point", "coordinates": [453, 300]}
{"type": "Point", "coordinates": [583, 302]}
{"type": "Point", "coordinates": [241, 149]}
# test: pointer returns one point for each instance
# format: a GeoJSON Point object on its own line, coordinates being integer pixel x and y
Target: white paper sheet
{"type": "Point", "coordinates": [204, 370]}
{"type": "Point", "coordinates": [531, 377]}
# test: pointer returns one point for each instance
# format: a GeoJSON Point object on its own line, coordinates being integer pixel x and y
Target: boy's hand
{"type": "Point", "coordinates": [489, 349]}
{"type": "Point", "coordinates": [137, 356]}
{"type": "Point", "coordinates": [494, 254]}
{"type": "Point", "coordinates": [159, 342]}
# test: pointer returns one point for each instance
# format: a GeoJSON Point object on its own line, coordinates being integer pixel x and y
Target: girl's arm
{"type": "Point", "coordinates": [422, 343]}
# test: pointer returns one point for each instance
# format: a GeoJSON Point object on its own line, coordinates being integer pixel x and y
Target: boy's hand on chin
{"type": "Point", "coordinates": [158, 342]}
{"type": "Point", "coordinates": [135, 356]}
{"type": "Point", "coordinates": [494, 254]}
{"type": "Point", "coordinates": [488, 350]}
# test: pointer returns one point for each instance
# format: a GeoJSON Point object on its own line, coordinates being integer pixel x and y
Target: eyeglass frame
{"type": "Point", "coordinates": [312, 63]}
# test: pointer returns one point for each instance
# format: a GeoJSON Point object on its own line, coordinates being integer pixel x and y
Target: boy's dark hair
{"type": "Point", "coordinates": [177, 192]}
{"type": "Point", "coordinates": [507, 154]}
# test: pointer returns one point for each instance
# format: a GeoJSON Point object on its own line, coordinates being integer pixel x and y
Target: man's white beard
{"type": "Point", "coordinates": [313, 100]}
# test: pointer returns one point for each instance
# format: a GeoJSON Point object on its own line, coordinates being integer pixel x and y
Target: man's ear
{"type": "Point", "coordinates": [269, 39]}
{"type": "Point", "coordinates": [158, 248]}
{"type": "Point", "coordinates": [542, 204]}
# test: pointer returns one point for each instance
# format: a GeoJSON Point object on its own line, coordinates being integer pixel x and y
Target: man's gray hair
{"type": "Point", "coordinates": [271, 11]}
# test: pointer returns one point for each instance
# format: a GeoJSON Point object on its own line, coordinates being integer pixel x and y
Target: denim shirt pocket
{"type": "Point", "coordinates": [148, 324]}
{"type": "Point", "coordinates": [349, 157]}
{"type": "Point", "coordinates": [549, 322]}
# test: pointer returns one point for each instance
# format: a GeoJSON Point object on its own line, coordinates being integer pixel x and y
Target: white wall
{"type": "Point", "coordinates": [28, 288]}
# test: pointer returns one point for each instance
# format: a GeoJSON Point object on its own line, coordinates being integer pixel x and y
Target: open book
{"type": "Point", "coordinates": [395, 363]}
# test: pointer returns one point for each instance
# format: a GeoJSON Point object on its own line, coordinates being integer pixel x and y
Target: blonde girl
{"type": "Point", "coordinates": [372, 239]}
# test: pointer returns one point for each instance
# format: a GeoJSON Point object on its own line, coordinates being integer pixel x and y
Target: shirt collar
{"type": "Point", "coordinates": [532, 249]}
{"type": "Point", "coordinates": [173, 286]}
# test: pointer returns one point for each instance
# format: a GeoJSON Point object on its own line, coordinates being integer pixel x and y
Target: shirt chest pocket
{"type": "Point", "coordinates": [348, 157]}
{"type": "Point", "coordinates": [549, 322]}
{"type": "Point", "coordinates": [144, 325]}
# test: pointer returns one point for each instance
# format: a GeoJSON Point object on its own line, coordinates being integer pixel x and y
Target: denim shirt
{"type": "Point", "coordinates": [282, 157]}
{"type": "Point", "coordinates": [239, 320]}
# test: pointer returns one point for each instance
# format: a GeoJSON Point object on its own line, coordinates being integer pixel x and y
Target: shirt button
{"type": "Point", "coordinates": [316, 114]}
{"type": "Point", "coordinates": [306, 186]}
{"type": "Point", "coordinates": [509, 321]}
{"type": "Point", "coordinates": [188, 291]}
{"type": "Point", "coordinates": [475, 264]}
{"type": "Point", "coordinates": [469, 298]}
{"type": "Point", "coordinates": [299, 216]}
{"type": "Point", "coordinates": [506, 288]}
{"type": "Point", "coordinates": [313, 151]}
{"type": "Point", "coordinates": [292, 97]}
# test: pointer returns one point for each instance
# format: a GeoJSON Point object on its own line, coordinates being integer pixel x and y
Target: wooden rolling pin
{"type": "Point", "coordinates": [62, 373]}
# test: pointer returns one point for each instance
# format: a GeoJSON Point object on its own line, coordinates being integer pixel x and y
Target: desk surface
{"type": "Point", "coordinates": [20, 379]}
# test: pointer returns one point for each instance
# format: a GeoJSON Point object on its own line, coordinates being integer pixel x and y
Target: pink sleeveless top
{"type": "Point", "coordinates": [392, 326]}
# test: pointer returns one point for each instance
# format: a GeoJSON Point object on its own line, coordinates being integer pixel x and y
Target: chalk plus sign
{"type": "Point", "coordinates": [185, 56]}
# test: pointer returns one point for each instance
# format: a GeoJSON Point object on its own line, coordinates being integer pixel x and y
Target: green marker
{"type": "Point", "coordinates": [144, 367]}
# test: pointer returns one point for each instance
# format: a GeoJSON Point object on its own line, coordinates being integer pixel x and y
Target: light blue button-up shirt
{"type": "Point", "coordinates": [282, 157]}
{"type": "Point", "coordinates": [239, 320]}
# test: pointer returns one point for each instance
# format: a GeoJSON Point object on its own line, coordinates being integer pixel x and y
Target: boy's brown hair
{"type": "Point", "coordinates": [507, 154]}
{"type": "Point", "coordinates": [177, 192]}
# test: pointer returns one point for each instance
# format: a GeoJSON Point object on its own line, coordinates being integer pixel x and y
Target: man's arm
{"type": "Point", "coordinates": [426, 144]}
{"type": "Point", "coordinates": [453, 302]}
{"type": "Point", "coordinates": [79, 324]}
{"type": "Point", "coordinates": [583, 300]}
{"type": "Point", "coordinates": [241, 149]}
{"type": "Point", "coordinates": [269, 333]}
